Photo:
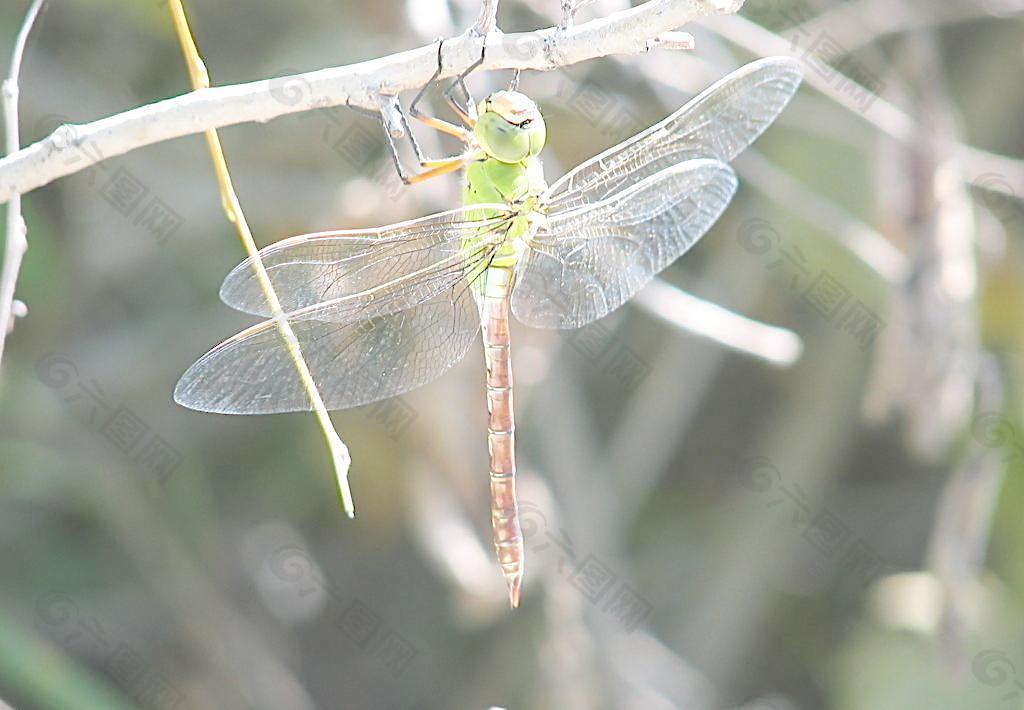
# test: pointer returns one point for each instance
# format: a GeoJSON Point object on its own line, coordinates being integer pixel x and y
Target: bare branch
{"type": "Point", "coordinates": [391, 115]}
{"type": "Point", "coordinates": [674, 40]}
{"type": "Point", "coordinates": [853, 25]}
{"type": "Point", "coordinates": [778, 346]}
{"type": "Point", "coordinates": [17, 235]}
{"type": "Point", "coordinates": [858, 237]}
{"type": "Point", "coordinates": [569, 10]}
{"type": "Point", "coordinates": [74, 148]}
{"type": "Point", "coordinates": [876, 110]}
{"type": "Point", "coordinates": [488, 20]}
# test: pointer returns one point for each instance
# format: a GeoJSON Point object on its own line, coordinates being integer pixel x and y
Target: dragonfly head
{"type": "Point", "coordinates": [509, 127]}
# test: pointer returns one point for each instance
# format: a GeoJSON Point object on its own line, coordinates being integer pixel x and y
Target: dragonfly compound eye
{"type": "Point", "coordinates": [510, 127]}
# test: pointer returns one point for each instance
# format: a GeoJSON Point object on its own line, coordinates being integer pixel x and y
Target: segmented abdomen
{"type": "Point", "coordinates": [508, 536]}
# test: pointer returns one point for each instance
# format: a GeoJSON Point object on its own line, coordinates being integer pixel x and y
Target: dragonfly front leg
{"type": "Point", "coordinates": [437, 123]}
{"type": "Point", "coordinates": [430, 167]}
{"type": "Point", "coordinates": [467, 113]}
{"type": "Point", "coordinates": [440, 167]}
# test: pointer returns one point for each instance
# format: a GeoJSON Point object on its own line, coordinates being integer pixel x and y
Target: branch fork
{"type": "Point", "coordinates": [17, 233]}
{"type": "Point", "coordinates": [629, 31]}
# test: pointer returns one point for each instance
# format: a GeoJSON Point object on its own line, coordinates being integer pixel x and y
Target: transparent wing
{"type": "Point", "coordinates": [360, 348]}
{"type": "Point", "coordinates": [351, 363]}
{"type": "Point", "coordinates": [719, 123]}
{"type": "Point", "coordinates": [585, 263]}
{"type": "Point", "coordinates": [326, 266]}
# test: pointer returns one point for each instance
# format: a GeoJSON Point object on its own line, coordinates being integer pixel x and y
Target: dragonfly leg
{"type": "Point", "coordinates": [430, 167]}
{"type": "Point", "coordinates": [467, 113]}
{"type": "Point", "coordinates": [436, 123]}
{"type": "Point", "coordinates": [440, 167]}
{"type": "Point", "coordinates": [433, 168]}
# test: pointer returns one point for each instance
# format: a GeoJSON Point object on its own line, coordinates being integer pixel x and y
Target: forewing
{"type": "Point", "coordinates": [326, 266]}
{"type": "Point", "coordinates": [719, 123]}
{"type": "Point", "coordinates": [352, 362]}
{"type": "Point", "coordinates": [585, 263]}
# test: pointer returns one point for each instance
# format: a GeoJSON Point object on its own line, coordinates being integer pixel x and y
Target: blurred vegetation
{"type": "Point", "coordinates": [843, 534]}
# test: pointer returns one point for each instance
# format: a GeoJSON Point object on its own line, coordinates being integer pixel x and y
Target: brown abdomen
{"type": "Point", "coordinates": [508, 536]}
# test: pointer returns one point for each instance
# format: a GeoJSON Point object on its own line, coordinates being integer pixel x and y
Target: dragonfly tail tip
{"type": "Point", "coordinates": [515, 585]}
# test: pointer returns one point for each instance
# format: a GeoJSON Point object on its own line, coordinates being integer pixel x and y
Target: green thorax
{"type": "Point", "coordinates": [490, 180]}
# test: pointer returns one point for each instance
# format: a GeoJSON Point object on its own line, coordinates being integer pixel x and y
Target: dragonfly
{"type": "Point", "coordinates": [378, 312]}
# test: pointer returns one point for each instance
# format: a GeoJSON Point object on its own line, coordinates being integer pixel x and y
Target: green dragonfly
{"type": "Point", "coordinates": [378, 312]}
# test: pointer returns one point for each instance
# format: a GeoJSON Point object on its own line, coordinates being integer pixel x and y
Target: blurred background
{"type": "Point", "coordinates": [840, 526]}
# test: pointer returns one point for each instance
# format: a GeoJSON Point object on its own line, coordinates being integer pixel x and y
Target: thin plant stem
{"type": "Point", "coordinates": [17, 234]}
{"type": "Point", "coordinates": [201, 80]}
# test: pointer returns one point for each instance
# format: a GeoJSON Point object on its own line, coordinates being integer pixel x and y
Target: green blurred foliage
{"type": "Point", "coordinates": [236, 582]}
